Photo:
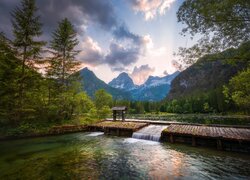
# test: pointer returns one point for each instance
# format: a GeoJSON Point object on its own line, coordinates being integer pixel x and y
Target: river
{"type": "Point", "coordinates": [97, 156]}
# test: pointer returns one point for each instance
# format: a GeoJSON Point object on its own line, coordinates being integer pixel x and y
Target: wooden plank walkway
{"type": "Point", "coordinates": [181, 123]}
{"type": "Point", "coordinates": [119, 125]}
{"type": "Point", "coordinates": [226, 133]}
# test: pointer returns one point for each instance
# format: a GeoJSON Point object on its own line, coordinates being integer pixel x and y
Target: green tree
{"type": "Point", "coordinates": [9, 66]}
{"type": "Point", "coordinates": [26, 29]}
{"type": "Point", "coordinates": [206, 107]}
{"type": "Point", "coordinates": [238, 90]}
{"type": "Point", "coordinates": [83, 103]}
{"type": "Point", "coordinates": [35, 88]}
{"type": "Point", "coordinates": [102, 98]}
{"type": "Point", "coordinates": [64, 81]}
{"type": "Point", "coordinates": [63, 43]}
{"type": "Point", "coordinates": [187, 107]}
{"type": "Point", "coordinates": [104, 112]}
{"type": "Point", "coordinates": [222, 23]}
{"type": "Point", "coordinates": [175, 106]}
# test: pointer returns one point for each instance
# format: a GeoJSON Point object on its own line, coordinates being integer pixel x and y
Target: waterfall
{"type": "Point", "coordinates": [151, 132]}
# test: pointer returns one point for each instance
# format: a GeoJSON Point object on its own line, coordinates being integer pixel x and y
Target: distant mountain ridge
{"type": "Point", "coordinates": [123, 81]}
{"type": "Point", "coordinates": [91, 84]}
{"type": "Point", "coordinates": [157, 81]}
{"type": "Point", "coordinates": [122, 87]}
{"type": "Point", "coordinates": [154, 89]}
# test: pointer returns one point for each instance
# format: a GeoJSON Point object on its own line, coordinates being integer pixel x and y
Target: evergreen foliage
{"type": "Point", "coordinates": [26, 28]}
{"type": "Point", "coordinates": [63, 43]}
{"type": "Point", "coordinates": [31, 100]}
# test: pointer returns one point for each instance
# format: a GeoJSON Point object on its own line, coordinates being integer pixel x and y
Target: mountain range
{"type": "Point", "coordinates": [122, 87]}
{"type": "Point", "coordinates": [91, 84]}
{"type": "Point", "coordinates": [154, 89]}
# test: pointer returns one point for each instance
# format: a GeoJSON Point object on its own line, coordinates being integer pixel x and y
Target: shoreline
{"type": "Point", "coordinates": [54, 131]}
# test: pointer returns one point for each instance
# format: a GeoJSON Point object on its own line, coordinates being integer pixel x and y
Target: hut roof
{"type": "Point", "coordinates": [119, 108]}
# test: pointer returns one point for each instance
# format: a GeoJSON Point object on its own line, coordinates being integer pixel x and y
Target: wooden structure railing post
{"type": "Point", "coordinates": [171, 138]}
{"type": "Point", "coordinates": [114, 115]}
{"type": "Point", "coordinates": [193, 141]}
{"type": "Point", "coordinates": [219, 144]}
{"type": "Point", "coordinates": [119, 111]}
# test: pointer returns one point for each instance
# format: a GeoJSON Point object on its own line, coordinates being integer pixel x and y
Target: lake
{"type": "Point", "coordinates": [97, 156]}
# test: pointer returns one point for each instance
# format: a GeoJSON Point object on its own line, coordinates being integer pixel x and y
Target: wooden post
{"type": "Point", "coordinates": [193, 141]}
{"type": "Point", "coordinates": [123, 117]}
{"type": "Point", "coordinates": [219, 144]}
{"type": "Point", "coordinates": [114, 115]}
{"type": "Point", "coordinates": [171, 138]}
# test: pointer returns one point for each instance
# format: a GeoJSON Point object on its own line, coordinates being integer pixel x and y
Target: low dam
{"type": "Point", "coordinates": [151, 132]}
{"type": "Point", "coordinates": [223, 137]}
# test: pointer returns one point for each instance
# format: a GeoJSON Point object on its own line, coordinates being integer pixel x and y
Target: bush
{"type": "Point", "coordinates": [104, 112]}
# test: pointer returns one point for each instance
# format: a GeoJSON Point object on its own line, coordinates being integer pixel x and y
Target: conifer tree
{"type": "Point", "coordinates": [62, 69]}
{"type": "Point", "coordinates": [9, 65]}
{"type": "Point", "coordinates": [26, 30]}
{"type": "Point", "coordinates": [63, 43]}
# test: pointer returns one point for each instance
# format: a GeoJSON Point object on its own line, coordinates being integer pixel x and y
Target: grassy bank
{"type": "Point", "coordinates": [33, 129]}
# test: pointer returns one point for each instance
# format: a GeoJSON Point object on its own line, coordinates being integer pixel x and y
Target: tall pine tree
{"type": "Point", "coordinates": [64, 84]}
{"type": "Point", "coordinates": [63, 63]}
{"type": "Point", "coordinates": [9, 66]}
{"type": "Point", "coordinates": [26, 29]}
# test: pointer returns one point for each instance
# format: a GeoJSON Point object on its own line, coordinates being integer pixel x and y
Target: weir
{"type": "Point", "coordinates": [151, 132]}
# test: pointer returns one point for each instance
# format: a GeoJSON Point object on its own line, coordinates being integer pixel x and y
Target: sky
{"type": "Point", "coordinates": [134, 36]}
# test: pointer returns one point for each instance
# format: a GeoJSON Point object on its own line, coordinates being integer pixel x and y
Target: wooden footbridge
{"type": "Point", "coordinates": [225, 133]}
{"type": "Point", "coordinates": [222, 137]}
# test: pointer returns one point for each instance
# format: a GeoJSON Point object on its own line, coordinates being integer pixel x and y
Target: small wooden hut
{"type": "Point", "coordinates": [119, 111]}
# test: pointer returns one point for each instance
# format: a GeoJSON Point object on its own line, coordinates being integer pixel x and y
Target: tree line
{"type": "Point", "coordinates": [54, 96]}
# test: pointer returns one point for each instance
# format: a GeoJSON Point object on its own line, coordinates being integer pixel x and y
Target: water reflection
{"type": "Point", "coordinates": [95, 134]}
{"type": "Point", "coordinates": [93, 156]}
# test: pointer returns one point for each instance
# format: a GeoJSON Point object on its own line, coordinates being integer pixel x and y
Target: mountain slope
{"type": "Point", "coordinates": [210, 72]}
{"type": "Point", "coordinates": [123, 81]}
{"type": "Point", "coordinates": [91, 84]}
{"type": "Point", "coordinates": [158, 81]}
{"type": "Point", "coordinates": [154, 89]}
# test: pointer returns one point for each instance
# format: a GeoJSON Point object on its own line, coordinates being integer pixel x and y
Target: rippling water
{"type": "Point", "coordinates": [96, 156]}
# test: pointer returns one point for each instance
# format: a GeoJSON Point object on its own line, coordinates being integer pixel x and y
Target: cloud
{"type": "Point", "coordinates": [125, 48]}
{"type": "Point", "coordinates": [51, 11]}
{"type": "Point", "coordinates": [120, 56]}
{"type": "Point", "coordinates": [141, 74]}
{"type": "Point", "coordinates": [150, 8]}
{"type": "Point", "coordinates": [122, 33]}
{"type": "Point", "coordinates": [91, 53]}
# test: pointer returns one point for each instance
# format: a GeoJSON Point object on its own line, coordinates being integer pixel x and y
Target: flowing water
{"type": "Point", "coordinates": [151, 132]}
{"type": "Point", "coordinates": [96, 156]}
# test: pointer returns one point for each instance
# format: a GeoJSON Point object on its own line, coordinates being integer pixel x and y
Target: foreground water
{"type": "Point", "coordinates": [96, 156]}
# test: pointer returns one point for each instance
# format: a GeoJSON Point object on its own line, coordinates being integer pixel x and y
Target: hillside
{"type": "Point", "coordinates": [123, 81]}
{"type": "Point", "coordinates": [154, 89]}
{"type": "Point", "coordinates": [91, 84]}
{"type": "Point", "coordinates": [210, 72]}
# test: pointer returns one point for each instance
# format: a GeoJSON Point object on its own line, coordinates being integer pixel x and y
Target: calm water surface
{"type": "Point", "coordinates": [96, 156]}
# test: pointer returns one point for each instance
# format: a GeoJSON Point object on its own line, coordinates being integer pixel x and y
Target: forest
{"type": "Point", "coordinates": [33, 100]}
{"type": "Point", "coordinates": [40, 84]}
